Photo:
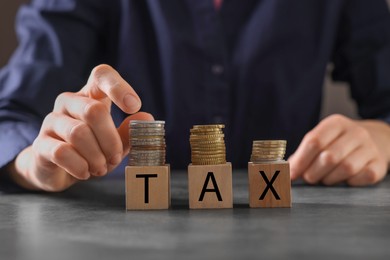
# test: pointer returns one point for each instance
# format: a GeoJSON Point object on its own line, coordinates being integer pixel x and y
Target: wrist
{"type": "Point", "coordinates": [17, 171]}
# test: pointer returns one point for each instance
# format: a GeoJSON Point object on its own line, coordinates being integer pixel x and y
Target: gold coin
{"type": "Point", "coordinates": [209, 126]}
{"type": "Point", "coordinates": [206, 141]}
{"type": "Point", "coordinates": [268, 152]}
{"type": "Point", "coordinates": [268, 145]}
{"type": "Point", "coordinates": [259, 158]}
{"type": "Point", "coordinates": [208, 156]}
{"type": "Point", "coordinates": [196, 150]}
{"type": "Point", "coordinates": [206, 136]}
{"type": "Point", "coordinates": [269, 142]}
{"type": "Point", "coordinates": [205, 131]}
{"type": "Point", "coordinates": [207, 144]}
{"type": "Point", "coordinates": [209, 162]}
{"type": "Point", "coordinates": [212, 148]}
{"type": "Point", "coordinates": [268, 149]}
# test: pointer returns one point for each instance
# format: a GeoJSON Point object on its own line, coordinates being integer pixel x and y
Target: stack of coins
{"type": "Point", "coordinates": [268, 150]}
{"type": "Point", "coordinates": [207, 145]}
{"type": "Point", "coordinates": [147, 143]}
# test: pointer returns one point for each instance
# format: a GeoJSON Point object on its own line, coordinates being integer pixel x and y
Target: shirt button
{"type": "Point", "coordinates": [217, 69]}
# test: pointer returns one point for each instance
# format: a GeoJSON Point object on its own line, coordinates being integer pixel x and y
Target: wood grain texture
{"type": "Point", "coordinates": [258, 186]}
{"type": "Point", "coordinates": [198, 175]}
{"type": "Point", "coordinates": [157, 194]}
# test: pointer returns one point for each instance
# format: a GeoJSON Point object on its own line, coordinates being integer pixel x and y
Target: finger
{"type": "Point", "coordinates": [98, 118]}
{"type": "Point", "coordinates": [372, 173]}
{"type": "Point", "coordinates": [104, 81]}
{"type": "Point", "coordinates": [80, 136]}
{"type": "Point", "coordinates": [350, 166]}
{"type": "Point", "coordinates": [63, 155]}
{"type": "Point", "coordinates": [314, 142]}
{"type": "Point", "coordinates": [123, 129]}
{"type": "Point", "coordinates": [329, 158]}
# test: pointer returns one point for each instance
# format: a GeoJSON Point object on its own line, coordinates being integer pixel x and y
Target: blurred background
{"type": "Point", "coordinates": [336, 95]}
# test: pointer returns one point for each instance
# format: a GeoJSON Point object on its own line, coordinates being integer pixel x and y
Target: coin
{"type": "Point", "coordinates": [147, 143]}
{"type": "Point", "coordinates": [268, 150]}
{"type": "Point", "coordinates": [220, 126]}
{"type": "Point", "coordinates": [270, 142]}
{"type": "Point", "coordinates": [207, 144]}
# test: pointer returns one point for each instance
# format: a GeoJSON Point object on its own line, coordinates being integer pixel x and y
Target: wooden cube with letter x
{"type": "Point", "coordinates": [269, 175]}
{"type": "Point", "coordinates": [147, 187]}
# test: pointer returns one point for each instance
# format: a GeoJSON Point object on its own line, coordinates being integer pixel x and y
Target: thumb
{"type": "Point", "coordinates": [123, 129]}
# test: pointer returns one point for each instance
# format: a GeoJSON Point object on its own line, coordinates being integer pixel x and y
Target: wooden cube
{"type": "Point", "coordinates": [269, 184]}
{"type": "Point", "coordinates": [148, 187]}
{"type": "Point", "coordinates": [210, 186]}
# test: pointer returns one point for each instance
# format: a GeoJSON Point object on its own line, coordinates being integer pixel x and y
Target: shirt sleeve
{"type": "Point", "coordinates": [59, 43]}
{"type": "Point", "coordinates": [362, 56]}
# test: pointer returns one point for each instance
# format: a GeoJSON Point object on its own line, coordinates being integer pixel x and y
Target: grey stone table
{"type": "Point", "coordinates": [89, 222]}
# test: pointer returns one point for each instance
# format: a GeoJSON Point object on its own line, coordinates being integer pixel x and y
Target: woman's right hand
{"type": "Point", "coordinates": [78, 139]}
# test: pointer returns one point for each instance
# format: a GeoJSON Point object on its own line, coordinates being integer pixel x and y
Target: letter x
{"type": "Point", "coordinates": [269, 185]}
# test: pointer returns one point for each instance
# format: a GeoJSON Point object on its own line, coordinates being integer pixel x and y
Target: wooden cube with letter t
{"type": "Point", "coordinates": [210, 186]}
{"type": "Point", "coordinates": [147, 187]}
{"type": "Point", "coordinates": [269, 184]}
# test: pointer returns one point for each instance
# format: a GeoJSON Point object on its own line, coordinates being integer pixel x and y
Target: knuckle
{"type": "Point", "coordinates": [36, 147]}
{"type": "Point", "coordinates": [337, 119]}
{"type": "Point", "coordinates": [115, 86]}
{"type": "Point", "coordinates": [78, 132]}
{"type": "Point", "coordinates": [59, 151]}
{"type": "Point", "coordinates": [372, 176]}
{"type": "Point", "coordinates": [47, 121]}
{"type": "Point", "coordinates": [313, 141]}
{"type": "Point", "coordinates": [362, 133]}
{"type": "Point", "coordinates": [61, 99]}
{"type": "Point", "coordinates": [35, 144]}
{"type": "Point", "coordinates": [348, 168]}
{"type": "Point", "coordinates": [328, 158]}
{"type": "Point", "coordinates": [100, 71]}
{"type": "Point", "coordinates": [93, 111]}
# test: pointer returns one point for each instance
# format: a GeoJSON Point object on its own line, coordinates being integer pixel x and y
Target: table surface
{"type": "Point", "coordinates": [89, 221]}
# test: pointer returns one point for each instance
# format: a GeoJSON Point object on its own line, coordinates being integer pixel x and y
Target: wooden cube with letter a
{"type": "Point", "coordinates": [269, 184]}
{"type": "Point", "coordinates": [148, 187]}
{"type": "Point", "coordinates": [210, 186]}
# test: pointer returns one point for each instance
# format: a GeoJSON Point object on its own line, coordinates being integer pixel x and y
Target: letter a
{"type": "Point", "coordinates": [211, 176]}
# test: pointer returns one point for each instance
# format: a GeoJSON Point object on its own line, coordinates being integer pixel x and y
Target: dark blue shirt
{"type": "Point", "coordinates": [256, 66]}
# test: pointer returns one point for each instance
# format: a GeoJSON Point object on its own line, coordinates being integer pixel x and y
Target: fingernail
{"type": "Point", "coordinates": [132, 103]}
{"type": "Point", "coordinates": [102, 171]}
{"type": "Point", "coordinates": [309, 179]}
{"type": "Point", "coordinates": [116, 159]}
